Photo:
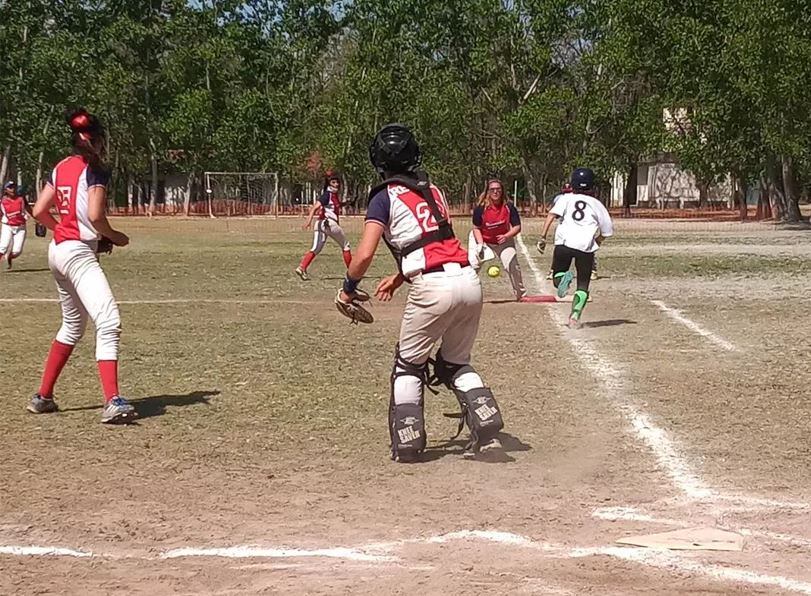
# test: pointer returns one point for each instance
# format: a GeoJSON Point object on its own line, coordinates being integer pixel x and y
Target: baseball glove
{"type": "Point", "coordinates": [353, 310]}
{"type": "Point", "coordinates": [40, 230]}
{"type": "Point", "coordinates": [105, 246]}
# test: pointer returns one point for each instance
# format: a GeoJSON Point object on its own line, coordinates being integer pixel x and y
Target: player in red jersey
{"type": "Point", "coordinates": [77, 188]}
{"type": "Point", "coordinates": [496, 223]}
{"type": "Point", "coordinates": [328, 208]}
{"type": "Point", "coordinates": [13, 213]}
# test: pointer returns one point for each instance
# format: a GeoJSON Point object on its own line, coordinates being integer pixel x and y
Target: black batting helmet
{"type": "Point", "coordinates": [582, 179]}
{"type": "Point", "coordinates": [394, 150]}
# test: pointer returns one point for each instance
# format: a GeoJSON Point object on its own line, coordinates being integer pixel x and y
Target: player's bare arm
{"type": "Point", "coordinates": [42, 208]}
{"type": "Point", "coordinates": [545, 231]}
{"type": "Point", "coordinates": [514, 231]}
{"type": "Point", "coordinates": [388, 285]}
{"type": "Point", "coordinates": [96, 212]}
{"type": "Point", "coordinates": [372, 232]}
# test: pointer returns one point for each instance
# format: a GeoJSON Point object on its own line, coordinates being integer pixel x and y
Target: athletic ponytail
{"type": "Point", "coordinates": [87, 137]}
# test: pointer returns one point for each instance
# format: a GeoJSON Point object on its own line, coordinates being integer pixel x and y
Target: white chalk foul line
{"type": "Point", "coordinates": [676, 315]}
{"type": "Point", "coordinates": [256, 552]}
{"type": "Point", "coordinates": [363, 554]}
{"type": "Point", "coordinates": [44, 551]}
{"type": "Point", "coordinates": [612, 379]}
{"type": "Point", "coordinates": [169, 301]}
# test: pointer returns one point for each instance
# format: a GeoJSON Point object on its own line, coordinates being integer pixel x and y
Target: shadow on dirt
{"type": "Point", "coordinates": [510, 443]}
{"type": "Point", "coordinates": [148, 407]}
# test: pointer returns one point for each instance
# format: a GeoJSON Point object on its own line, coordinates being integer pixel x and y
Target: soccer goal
{"type": "Point", "coordinates": [241, 193]}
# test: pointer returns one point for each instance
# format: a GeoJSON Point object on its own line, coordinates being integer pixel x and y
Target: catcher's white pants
{"type": "Point", "coordinates": [84, 293]}
{"type": "Point", "coordinates": [445, 306]}
{"type": "Point", "coordinates": [328, 229]}
{"type": "Point", "coordinates": [12, 237]}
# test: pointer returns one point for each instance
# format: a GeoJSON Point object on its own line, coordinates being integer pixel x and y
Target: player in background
{"type": "Point", "coordinates": [328, 208]}
{"type": "Point", "coordinates": [444, 303]}
{"type": "Point", "coordinates": [584, 224]}
{"type": "Point", "coordinates": [14, 212]}
{"type": "Point", "coordinates": [496, 223]}
{"type": "Point", "coordinates": [77, 187]}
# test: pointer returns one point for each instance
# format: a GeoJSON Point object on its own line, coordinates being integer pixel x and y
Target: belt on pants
{"type": "Point", "coordinates": [444, 267]}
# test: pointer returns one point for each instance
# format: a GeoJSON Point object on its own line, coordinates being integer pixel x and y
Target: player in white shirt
{"type": "Point", "coordinates": [584, 224]}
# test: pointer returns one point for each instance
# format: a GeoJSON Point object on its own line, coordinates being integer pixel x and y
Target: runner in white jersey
{"type": "Point", "coordinates": [328, 208]}
{"type": "Point", "coordinates": [77, 188]}
{"type": "Point", "coordinates": [583, 224]}
{"type": "Point", "coordinates": [444, 302]}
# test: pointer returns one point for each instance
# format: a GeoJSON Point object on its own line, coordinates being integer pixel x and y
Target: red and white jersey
{"type": "Point", "coordinates": [12, 211]}
{"type": "Point", "coordinates": [330, 206]}
{"type": "Point", "coordinates": [406, 218]}
{"type": "Point", "coordinates": [72, 180]}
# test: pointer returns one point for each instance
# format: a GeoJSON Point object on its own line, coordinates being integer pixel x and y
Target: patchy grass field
{"type": "Point", "coordinates": [263, 425]}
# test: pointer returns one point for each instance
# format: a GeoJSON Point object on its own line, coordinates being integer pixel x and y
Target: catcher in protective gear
{"type": "Point", "coordinates": [444, 302]}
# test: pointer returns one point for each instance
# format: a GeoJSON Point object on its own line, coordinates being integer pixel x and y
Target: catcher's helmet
{"type": "Point", "coordinates": [582, 179]}
{"type": "Point", "coordinates": [394, 150]}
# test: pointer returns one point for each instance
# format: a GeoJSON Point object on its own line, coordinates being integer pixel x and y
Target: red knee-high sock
{"type": "Point", "coordinates": [108, 371]}
{"type": "Point", "coordinates": [57, 358]}
{"type": "Point", "coordinates": [306, 260]}
{"type": "Point", "coordinates": [347, 257]}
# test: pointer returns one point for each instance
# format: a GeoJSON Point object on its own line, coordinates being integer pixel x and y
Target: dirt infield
{"type": "Point", "coordinates": [259, 464]}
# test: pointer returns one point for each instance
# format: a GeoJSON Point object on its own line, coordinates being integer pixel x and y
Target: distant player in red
{"type": "Point", "coordinates": [77, 187]}
{"type": "Point", "coordinates": [328, 208]}
{"type": "Point", "coordinates": [13, 214]}
{"type": "Point", "coordinates": [496, 223]}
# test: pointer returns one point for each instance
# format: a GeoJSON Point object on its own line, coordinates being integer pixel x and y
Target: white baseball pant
{"type": "Point", "coordinates": [328, 229]}
{"type": "Point", "coordinates": [12, 237]}
{"type": "Point", "coordinates": [84, 293]}
{"type": "Point", "coordinates": [444, 306]}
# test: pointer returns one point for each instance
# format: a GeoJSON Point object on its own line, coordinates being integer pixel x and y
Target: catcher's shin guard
{"type": "Point", "coordinates": [406, 416]}
{"type": "Point", "coordinates": [479, 408]}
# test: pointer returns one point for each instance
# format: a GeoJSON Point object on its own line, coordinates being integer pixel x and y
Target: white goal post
{"type": "Point", "coordinates": [242, 193]}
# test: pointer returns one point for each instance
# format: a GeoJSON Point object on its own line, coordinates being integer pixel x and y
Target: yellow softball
{"type": "Point", "coordinates": [493, 271]}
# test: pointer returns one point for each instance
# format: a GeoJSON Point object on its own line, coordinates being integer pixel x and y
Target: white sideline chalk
{"type": "Point", "coordinates": [43, 551]}
{"type": "Point", "coordinates": [676, 315]}
{"type": "Point", "coordinates": [611, 377]}
{"type": "Point", "coordinates": [250, 552]}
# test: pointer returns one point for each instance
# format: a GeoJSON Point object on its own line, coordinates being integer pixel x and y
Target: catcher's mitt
{"type": "Point", "coordinates": [105, 245]}
{"type": "Point", "coordinates": [541, 246]}
{"type": "Point", "coordinates": [353, 310]}
{"type": "Point", "coordinates": [40, 230]}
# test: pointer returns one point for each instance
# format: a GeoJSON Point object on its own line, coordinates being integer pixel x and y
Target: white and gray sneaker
{"type": "Point", "coordinates": [302, 273]}
{"type": "Point", "coordinates": [42, 405]}
{"type": "Point", "coordinates": [118, 411]}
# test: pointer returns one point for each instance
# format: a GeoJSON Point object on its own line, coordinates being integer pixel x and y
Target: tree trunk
{"type": "Point", "coordinates": [764, 207]}
{"type": "Point", "coordinates": [777, 196]}
{"type": "Point", "coordinates": [187, 198]}
{"type": "Point", "coordinates": [702, 194]}
{"type": "Point", "coordinates": [792, 195]}
{"type": "Point", "coordinates": [629, 194]}
{"type": "Point", "coordinates": [130, 193]}
{"type": "Point", "coordinates": [739, 194]}
{"type": "Point", "coordinates": [153, 161]}
{"type": "Point", "coordinates": [531, 182]}
{"type": "Point", "coordinates": [5, 163]}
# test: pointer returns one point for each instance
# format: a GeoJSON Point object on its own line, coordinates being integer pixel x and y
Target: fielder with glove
{"type": "Point", "coordinates": [444, 303]}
